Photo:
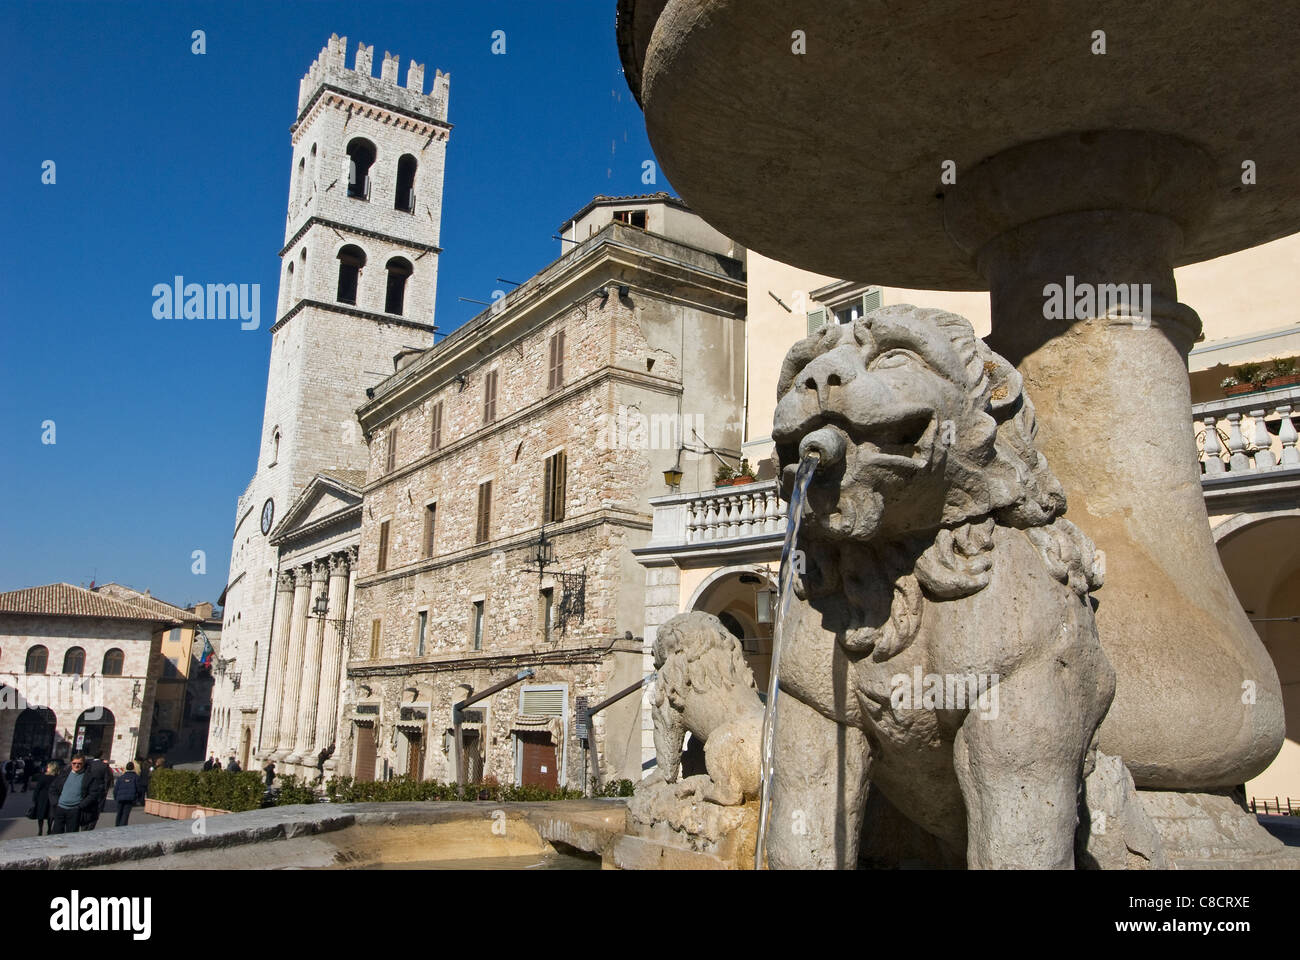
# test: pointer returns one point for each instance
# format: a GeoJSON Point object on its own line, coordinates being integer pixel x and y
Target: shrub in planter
{"type": "Point", "coordinates": [212, 788]}
{"type": "Point", "coordinates": [293, 790]}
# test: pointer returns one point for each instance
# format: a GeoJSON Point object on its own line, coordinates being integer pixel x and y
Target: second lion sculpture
{"type": "Point", "coordinates": [941, 646]}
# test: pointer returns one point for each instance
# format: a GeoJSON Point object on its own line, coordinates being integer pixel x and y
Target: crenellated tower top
{"type": "Point", "coordinates": [330, 69]}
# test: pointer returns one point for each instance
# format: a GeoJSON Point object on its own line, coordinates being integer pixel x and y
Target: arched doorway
{"type": "Point", "coordinates": [93, 734]}
{"type": "Point", "coordinates": [34, 734]}
{"type": "Point", "coordinates": [1262, 560]}
{"type": "Point", "coordinates": [731, 595]}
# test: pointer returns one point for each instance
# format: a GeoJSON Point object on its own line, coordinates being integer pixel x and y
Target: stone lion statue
{"type": "Point", "coordinates": [704, 686]}
{"type": "Point", "coordinates": [941, 648]}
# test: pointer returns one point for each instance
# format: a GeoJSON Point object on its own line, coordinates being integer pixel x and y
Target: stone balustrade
{"type": "Point", "coordinates": [1252, 433]}
{"type": "Point", "coordinates": [725, 513]}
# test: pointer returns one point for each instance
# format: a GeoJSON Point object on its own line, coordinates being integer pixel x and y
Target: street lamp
{"type": "Point", "coordinates": [321, 606]}
{"type": "Point", "coordinates": [545, 555]}
{"type": "Point", "coordinates": [673, 475]}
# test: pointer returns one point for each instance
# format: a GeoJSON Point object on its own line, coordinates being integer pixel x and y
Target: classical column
{"type": "Point", "coordinates": [309, 672]}
{"type": "Point", "coordinates": [274, 688]}
{"type": "Point", "coordinates": [293, 662]}
{"type": "Point", "coordinates": [332, 653]}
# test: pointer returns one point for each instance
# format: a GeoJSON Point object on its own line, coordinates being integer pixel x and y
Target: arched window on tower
{"type": "Point", "coordinates": [399, 268]}
{"type": "Point", "coordinates": [287, 298]}
{"type": "Point", "coordinates": [404, 198]}
{"type": "Point", "coordinates": [302, 179]}
{"type": "Point", "coordinates": [113, 661]}
{"type": "Point", "coordinates": [303, 290]}
{"type": "Point", "coordinates": [351, 259]}
{"type": "Point", "coordinates": [361, 157]}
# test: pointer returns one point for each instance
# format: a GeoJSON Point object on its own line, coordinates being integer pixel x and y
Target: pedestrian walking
{"type": "Point", "coordinates": [101, 778]}
{"type": "Point", "coordinates": [207, 764]}
{"type": "Point", "coordinates": [74, 799]}
{"type": "Point", "coordinates": [40, 809]}
{"type": "Point", "coordinates": [126, 791]}
{"type": "Point", "coordinates": [269, 770]}
{"type": "Point", "coordinates": [9, 772]}
{"type": "Point", "coordinates": [30, 769]}
{"type": "Point", "coordinates": [233, 765]}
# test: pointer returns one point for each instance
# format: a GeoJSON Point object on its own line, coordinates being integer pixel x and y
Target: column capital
{"type": "Point", "coordinates": [339, 563]}
{"type": "Point", "coordinates": [302, 574]}
{"type": "Point", "coordinates": [285, 581]}
{"type": "Point", "coordinates": [354, 552]}
{"type": "Point", "coordinates": [319, 570]}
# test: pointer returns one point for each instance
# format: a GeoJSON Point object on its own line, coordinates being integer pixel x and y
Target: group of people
{"type": "Point", "coordinates": [70, 799]}
{"type": "Point", "coordinates": [232, 765]}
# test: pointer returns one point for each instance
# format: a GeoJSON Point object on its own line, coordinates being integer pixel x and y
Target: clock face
{"type": "Point", "coordinates": [268, 514]}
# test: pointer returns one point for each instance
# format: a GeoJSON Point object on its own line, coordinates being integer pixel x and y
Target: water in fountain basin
{"type": "Point", "coordinates": [807, 467]}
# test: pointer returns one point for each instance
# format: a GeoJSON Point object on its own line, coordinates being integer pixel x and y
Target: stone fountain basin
{"type": "Point", "coordinates": [831, 160]}
{"type": "Point", "coordinates": [338, 836]}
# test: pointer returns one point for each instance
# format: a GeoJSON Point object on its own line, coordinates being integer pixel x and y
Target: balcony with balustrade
{"type": "Point", "coordinates": [1247, 449]}
{"type": "Point", "coordinates": [726, 525]}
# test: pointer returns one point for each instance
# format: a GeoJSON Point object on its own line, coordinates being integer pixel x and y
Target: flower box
{"type": "Point", "coordinates": [176, 811]}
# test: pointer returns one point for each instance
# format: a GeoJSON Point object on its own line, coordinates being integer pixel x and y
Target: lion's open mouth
{"type": "Point", "coordinates": [904, 441]}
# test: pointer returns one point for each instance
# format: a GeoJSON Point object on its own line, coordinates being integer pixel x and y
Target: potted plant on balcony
{"type": "Point", "coordinates": [1249, 378]}
{"type": "Point", "coordinates": [1282, 373]}
{"type": "Point", "coordinates": [724, 476]}
{"type": "Point", "coordinates": [744, 474]}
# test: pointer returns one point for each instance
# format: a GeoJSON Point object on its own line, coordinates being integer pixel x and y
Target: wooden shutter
{"type": "Point", "coordinates": [871, 300]}
{"type": "Point", "coordinates": [490, 396]}
{"type": "Point", "coordinates": [382, 564]}
{"type": "Point", "coordinates": [816, 320]}
{"type": "Point", "coordinates": [392, 450]}
{"type": "Point", "coordinates": [435, 433]}
{"type": "Point", "coordinates": [553, 488]}
{"type": "Point", "coordinates": [430, 522]}
{"type": "Point", "coordinates": [484, 512]}
{"type": "Point", "coordinates": [365, 765]}
{"type": "Point", "coordinates": [374, 639]}
{"type": "Point", "coordinates": [555, 378]}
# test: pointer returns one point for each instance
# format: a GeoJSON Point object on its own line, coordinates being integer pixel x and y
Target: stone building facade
{"type": "Point", "coordinates": [543, 423]}
{"type": "Point", "coordinates": [77, 672]}
{"type": "Point", "coordinates": [358, 281]}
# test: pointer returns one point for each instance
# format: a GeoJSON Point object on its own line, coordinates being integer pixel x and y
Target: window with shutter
{"type": "Point", "coordinates": [430, 523]}
{"type": "Point", "coordinates": [421, 625]}
{"type": "Point", "coordinates": [476, 625]}
{"type": "Point", "coordinates": [490, 397]}
{"type": "Point", "coordinates": [374, 639]}
{"type": "Point", "coordinates": [543, 701]}
{"type": "Point", "coordinates": [382, 564]}
{"type": "Point", "coordinates": [816, 320]}
{"type": "Point", "coordinates": [555, 379]}
{"type": "Point", "coordinates": [483, 526]}
{"type": "Point", "coordinates": [553, 483]}
{"type": "Point", "coordinates": [871, 300]}
{"type": "Point", "coordinates": [391, 453]}
{"type": "Point", "coordinates": [435, 431]}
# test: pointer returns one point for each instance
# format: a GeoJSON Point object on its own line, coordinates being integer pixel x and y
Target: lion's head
{"type": "Point", "coordinates": [926, 440]}
{"type": "Point", "coordinates": [920, 426]}
{"type": "Point", "coordinates": [694, 650]}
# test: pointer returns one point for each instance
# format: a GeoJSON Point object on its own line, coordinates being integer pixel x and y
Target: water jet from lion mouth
{"type": "Point", "coordinates": [822, 447]}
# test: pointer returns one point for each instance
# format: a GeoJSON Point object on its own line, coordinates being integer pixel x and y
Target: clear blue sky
{"type": "Point", "coordinates": [170, 163]}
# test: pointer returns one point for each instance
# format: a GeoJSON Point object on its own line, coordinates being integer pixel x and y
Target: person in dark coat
{"type": "Point", "coordinates": [145, 773]}
{"type": "Point", "coordinates": [101, 781]}
{"type": "Point", "coordinates": [269, 770]}
{"type": "Point", "coordinates": [233, 765]}
{"type": "Point", "coordinates": [126, 792]}
{"type": "Point", "coordinates": [41, 781]}
{"type": "Point", "coordinates": [22, 773]}
{"type": "Point", "coordinates": [9, 772]}
{"type": "Point", "coordinates": [74, 797]}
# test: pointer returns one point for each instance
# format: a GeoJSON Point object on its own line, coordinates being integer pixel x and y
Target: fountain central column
{"type": "Point", "coordinates": [1061, 229]}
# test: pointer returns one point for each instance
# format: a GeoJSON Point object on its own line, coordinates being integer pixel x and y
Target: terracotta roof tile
{"type": "Point", "coordinates": [65, 600]}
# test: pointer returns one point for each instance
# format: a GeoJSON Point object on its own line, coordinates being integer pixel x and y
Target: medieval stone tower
{"type": "Point", "coordinates": [359, 270]}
